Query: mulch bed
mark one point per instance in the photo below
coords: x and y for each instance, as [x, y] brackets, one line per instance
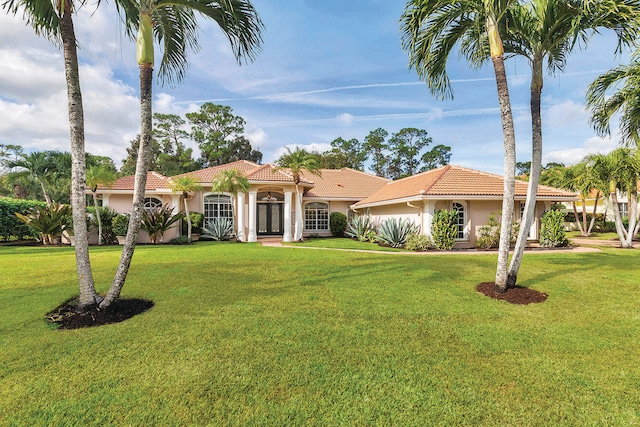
[517, 295]
[68, 316]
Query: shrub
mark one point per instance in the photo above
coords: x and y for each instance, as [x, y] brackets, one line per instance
[552, 230]
[157, 221]
[120, 224]
[489, 234]
[338, 223]
[181, 240]
[107, 215]
[361, 228]
[49, 221]
[196, 223]
[218, 229]
[10, 225]
[418, 242]
[444, 229]
[394, 232]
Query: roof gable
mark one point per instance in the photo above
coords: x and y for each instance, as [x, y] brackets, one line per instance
[344, 183]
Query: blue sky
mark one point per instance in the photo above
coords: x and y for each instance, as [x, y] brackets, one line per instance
[327, 69]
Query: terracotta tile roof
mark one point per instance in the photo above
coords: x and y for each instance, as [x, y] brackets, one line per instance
[456, 181]
[269, 172]
[206, 176]
[155, 181]
[344, 183]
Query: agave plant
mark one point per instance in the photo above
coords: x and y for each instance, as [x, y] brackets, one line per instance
[218, 229]
[49, 221]
[157, 221]
[361, 228]
[394, 232]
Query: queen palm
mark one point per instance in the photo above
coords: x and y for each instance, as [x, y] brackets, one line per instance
[96, 176]
[231, 181]
[174, 24]
[296, 162]
[547, 31]
[430, 31]
[37, 167]
[185, 185]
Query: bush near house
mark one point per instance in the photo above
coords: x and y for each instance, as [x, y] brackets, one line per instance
[394, 232]
[444, 229]
[10, 225]
[196, 223]
[49, 221]
[120, 224]
[418, 242]
[552, 233]
[337, 223]
[362, 228]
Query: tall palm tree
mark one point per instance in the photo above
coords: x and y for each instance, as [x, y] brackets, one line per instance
[297, 162]
[36, 166]
[96, 176]
[175, 26]
[231, 181]
[53, 19]
[185, 185]
[546, 31]
[430, 31]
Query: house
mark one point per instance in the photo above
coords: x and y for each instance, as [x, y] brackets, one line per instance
[473, 194]
[269, 207]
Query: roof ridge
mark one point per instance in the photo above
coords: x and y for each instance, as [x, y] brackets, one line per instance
[441, 171]
[361, 172]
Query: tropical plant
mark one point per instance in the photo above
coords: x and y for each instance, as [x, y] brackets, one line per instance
[120, 224]
[157, 221]
[444, 229]
[361, 227]
[395, 231]
[431, 29]
[49, 221]
[552, 233]
[547, 31]
[418, 242]
[185, 185]
[175, 26]
[296, 163]
[489, 235]
[232, 181]
[106, 215]
[337, 223]
[96, 176]
[218, 229]
[196, 223]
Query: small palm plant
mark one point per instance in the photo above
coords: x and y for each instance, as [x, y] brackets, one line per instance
[49, 221]
[157, 221]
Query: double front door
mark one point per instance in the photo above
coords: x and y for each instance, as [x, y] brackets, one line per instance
[270, 218]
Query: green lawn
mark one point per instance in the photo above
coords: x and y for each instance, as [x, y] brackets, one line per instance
[343, 243]
[246, 335]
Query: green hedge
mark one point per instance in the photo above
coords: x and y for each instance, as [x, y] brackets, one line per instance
[10, 225]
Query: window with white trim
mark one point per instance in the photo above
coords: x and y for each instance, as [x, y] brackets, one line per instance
[316, 216]
[460, 219]
[151, 203]
[217, 206]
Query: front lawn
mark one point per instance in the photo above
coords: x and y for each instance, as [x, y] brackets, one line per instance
[248, 335]
[343, 243]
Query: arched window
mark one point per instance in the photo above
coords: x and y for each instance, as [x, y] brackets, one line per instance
[217, 206]
[460, 220]
[316, 216]
[151, 203]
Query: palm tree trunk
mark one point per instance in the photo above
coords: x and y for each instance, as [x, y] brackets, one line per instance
[186, 209]
[88, 295]
[633, 211]
[534, 180]
[622, 234]
[146, 80]
[44, 190]
[509, 173]
[593, 215]
[95, 204]
[578, 222]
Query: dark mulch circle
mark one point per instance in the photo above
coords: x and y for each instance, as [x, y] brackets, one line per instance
[68, 316]
[515, 295]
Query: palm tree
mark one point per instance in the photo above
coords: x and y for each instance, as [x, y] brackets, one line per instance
[584, 178]
[430, 31]
[96, 176]
[547, 31]
[185, 185]
[175, 26]
[53, 20]
[36, 166]
[296, 162]
[231, 181]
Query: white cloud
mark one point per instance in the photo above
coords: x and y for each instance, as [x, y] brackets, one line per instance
[572, 156]
[565, 114]
[257, 136]
[345, 118]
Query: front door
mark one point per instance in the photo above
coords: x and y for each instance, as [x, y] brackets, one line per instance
[269, 219]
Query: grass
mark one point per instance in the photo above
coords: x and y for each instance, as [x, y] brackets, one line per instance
[246, 335]
[343, 243]
[611, 235]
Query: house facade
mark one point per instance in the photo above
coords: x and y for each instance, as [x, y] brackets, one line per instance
[269, 207]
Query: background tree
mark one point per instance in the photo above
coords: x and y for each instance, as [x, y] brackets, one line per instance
[232, 181]
[297, 162]
[430, 31]
[376, 148]
[406, 146]
[173, 157]
[220, 135]
[37, 166]
[185, 185]
[346, 154]
[175, 26]
[129, 163]
[438, 156]
[96, 176]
